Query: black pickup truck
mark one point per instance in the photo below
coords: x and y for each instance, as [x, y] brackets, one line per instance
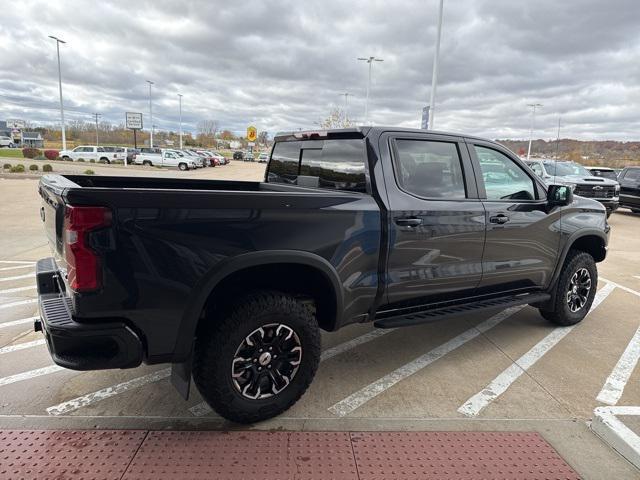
[231, 282]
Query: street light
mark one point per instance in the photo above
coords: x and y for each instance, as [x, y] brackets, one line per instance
[370, 61]
[533, 106]
[434, 77]
[58, 42]
[180, 109]
[150, 114]
[96, 115]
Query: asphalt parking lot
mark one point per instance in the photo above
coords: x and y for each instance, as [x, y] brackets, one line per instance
[505, 370]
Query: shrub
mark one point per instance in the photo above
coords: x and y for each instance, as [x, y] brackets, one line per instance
[88, 171]
[30, 152]
[51, 154]
[92, 160]
[17, 169]
[6, 166]
[33, 168]
[80, 160]
[47, 168]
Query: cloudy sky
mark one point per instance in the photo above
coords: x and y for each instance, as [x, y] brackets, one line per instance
[282, 65]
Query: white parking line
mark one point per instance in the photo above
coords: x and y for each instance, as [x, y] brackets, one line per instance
[614, 386]
[91, 398]
[21, 262]
[622, 287]
[502, 382]
[21, 346]
[362, 396]
[6, 269]
[17, 289]
[17, 277]
[13, 323]
[612, 430]
[38, 372]
[203, 408]
[17, 304]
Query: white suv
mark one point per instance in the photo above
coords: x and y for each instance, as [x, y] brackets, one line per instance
[6, 142]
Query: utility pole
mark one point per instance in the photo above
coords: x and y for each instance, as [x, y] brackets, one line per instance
[533, 106]
[64, 138]
[96, 115]
[434, 76]
[180, 109]
[346, 96]
[370, 61]
[150, 114]
[558, 140]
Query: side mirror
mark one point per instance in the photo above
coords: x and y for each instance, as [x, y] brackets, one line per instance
[559, 195]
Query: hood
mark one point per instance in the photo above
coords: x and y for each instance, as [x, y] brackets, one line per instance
[582, 180]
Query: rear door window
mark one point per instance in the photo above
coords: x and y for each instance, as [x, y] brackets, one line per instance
[632, 174]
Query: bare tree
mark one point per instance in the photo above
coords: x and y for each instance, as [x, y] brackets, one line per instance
[336, 119]
[208, 128]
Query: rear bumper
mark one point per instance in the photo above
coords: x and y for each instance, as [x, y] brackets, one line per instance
[80, 345]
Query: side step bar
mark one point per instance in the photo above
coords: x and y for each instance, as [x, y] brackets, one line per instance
[437, 314]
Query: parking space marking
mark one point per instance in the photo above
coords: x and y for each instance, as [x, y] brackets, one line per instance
[21, 346]
[16, 267]
[17, 289]
[614, 386]
[362, 396]
[22, 321]
[502, 382]
[17, 277]
[19, 262]
[38, 372]
[104, 393]
[613, 431]
[203, 408]
[17, 304]
[622, 287]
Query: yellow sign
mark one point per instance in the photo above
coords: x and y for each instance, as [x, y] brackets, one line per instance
[252, 134]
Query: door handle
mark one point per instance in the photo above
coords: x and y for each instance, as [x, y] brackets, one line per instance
[499, 219]
[408, 221]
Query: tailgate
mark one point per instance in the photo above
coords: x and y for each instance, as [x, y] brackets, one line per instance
[51, 191]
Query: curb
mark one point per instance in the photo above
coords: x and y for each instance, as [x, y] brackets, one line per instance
[615, 433]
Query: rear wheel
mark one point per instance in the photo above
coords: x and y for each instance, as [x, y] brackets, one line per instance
[147, 163]
[575, 289]
[105, 160]
[258, 358]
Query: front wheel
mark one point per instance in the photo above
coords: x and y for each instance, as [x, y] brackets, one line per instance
[183, 167]
[258, 358]
[575, 290]
[147, 163]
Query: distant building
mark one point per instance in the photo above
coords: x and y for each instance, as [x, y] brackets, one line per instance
[32, 139]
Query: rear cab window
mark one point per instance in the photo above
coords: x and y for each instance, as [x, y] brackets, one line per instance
[329, 164]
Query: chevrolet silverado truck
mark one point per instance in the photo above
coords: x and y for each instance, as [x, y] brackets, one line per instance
[231, 282]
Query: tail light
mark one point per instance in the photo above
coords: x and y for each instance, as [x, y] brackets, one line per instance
[83, 264]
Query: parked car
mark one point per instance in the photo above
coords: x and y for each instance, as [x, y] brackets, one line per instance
[238, 155]
[87, 153]
[403, 232]
[263, 157]
[222, 160]
[199, 160]
[248, 157]
[6, 142]
[115, 154]
[630, 188]
[211, 160]
[604, 172]
[166, 158]
[576, 176]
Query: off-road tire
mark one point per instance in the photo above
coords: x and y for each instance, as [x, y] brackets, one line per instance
[561, 314]
[219, 338]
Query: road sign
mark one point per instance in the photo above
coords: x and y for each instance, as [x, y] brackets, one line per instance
[252, 134]
[14, 123]
[133, 120]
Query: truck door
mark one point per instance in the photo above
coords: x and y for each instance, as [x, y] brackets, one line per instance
[630, 187]
[436, 221]
[523, 235]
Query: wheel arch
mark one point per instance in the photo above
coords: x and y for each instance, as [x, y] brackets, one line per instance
[323, 278]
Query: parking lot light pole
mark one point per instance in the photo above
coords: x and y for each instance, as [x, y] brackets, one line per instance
[370, 61]
[180, 109]
[346, 96]
[434, 76]
[150, 114]
[96, 115]
[64, 138]
[533, 106]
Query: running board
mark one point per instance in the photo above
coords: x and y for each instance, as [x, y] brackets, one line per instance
[437, 314]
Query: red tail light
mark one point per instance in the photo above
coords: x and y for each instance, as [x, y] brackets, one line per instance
[83, 264]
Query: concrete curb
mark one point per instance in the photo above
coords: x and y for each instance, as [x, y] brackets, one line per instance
[615, 433]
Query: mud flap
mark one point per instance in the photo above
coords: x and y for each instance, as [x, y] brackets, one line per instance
[181, 377]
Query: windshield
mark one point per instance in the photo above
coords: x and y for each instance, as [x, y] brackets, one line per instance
[562, 169]
[610, 174]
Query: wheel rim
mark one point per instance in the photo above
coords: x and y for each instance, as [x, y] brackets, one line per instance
[266, 361]
[579, 288]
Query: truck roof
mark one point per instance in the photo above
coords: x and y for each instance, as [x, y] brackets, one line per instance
[360, 131]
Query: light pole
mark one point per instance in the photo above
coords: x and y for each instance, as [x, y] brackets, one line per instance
[150, 114]
[96, 115]
[180, 109]
[434, 76]
[346, 96]
[533, 106]
[370, 61]
[64, 138]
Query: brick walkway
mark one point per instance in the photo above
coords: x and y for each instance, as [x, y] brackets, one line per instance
[160, 455]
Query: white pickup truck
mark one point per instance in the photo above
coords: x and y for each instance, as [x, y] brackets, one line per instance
[87, 153]
[165, 158]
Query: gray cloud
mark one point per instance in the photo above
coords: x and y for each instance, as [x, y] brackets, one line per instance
[283, 65]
